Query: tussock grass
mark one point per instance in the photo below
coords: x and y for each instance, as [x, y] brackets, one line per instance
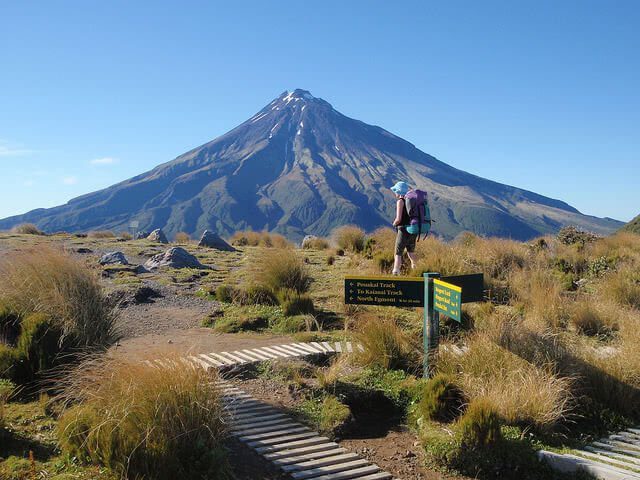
[541, 295]
[262, 239]
[623, 286]
[317, 243]
[27, 229]
[283, 270]
[50, 282]
[152, 422]
[101, 234]
[440, 399]
[480, 425]
[295, 303]
[182, 238]
[386, 345]
[349, 238]
[592, 319]
[522, 392]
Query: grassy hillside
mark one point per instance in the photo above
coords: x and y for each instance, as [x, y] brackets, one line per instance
[548, 359]
[633, 226]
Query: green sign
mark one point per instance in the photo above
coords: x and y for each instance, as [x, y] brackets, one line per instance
[385, 291]
[447, 299]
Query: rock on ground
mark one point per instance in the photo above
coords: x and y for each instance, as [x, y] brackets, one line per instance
[158, 236]
[175, 257]
[141, 235]
[212, 240]
[113, 257]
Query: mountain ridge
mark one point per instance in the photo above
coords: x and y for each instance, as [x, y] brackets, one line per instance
[632, 226]
[299, 166]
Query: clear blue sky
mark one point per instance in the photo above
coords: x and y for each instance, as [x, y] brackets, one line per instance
[544, 95]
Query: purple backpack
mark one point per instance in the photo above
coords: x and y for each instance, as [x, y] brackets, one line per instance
[417, 205]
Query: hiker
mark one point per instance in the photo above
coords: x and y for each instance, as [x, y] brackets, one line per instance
[413, 219]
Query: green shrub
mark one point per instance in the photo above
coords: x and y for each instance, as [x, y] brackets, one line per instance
[294, 303]
[239, 318]
[340, 252]
[331, 260]
[27, 229]
[440, 399]
[6, 390]
[333, 414]
[225, 293]
[261, 295]
[38, 346]
[571, 235]
[513, 458]
[9, 361]
[396, 386]
[327, 414]
[350, 237]
[369, 247]
[280, 270]
[480, 426]
[9, 325]
[292, 324]
[384, 261]
[161, 422]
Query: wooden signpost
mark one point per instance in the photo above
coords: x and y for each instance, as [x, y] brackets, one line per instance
[438, 295]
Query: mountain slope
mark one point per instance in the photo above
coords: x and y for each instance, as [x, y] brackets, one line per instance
[299, 166]
[633, 226]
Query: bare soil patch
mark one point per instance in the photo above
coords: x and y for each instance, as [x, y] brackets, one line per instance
[395, 448]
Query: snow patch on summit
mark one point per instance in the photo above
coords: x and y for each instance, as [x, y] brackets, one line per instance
[296, 97]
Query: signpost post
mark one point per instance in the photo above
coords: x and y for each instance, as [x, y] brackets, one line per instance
[133, 225]
[438, 295]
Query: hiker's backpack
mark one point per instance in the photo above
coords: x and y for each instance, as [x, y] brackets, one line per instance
[417, 205]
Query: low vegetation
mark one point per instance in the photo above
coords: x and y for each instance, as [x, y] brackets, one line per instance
[51, 306]
[101, 234]
[259, 239]
[350, 238]
[27, 229]
[315, 243]
[141, 421]
[182, 238]
[547, 360]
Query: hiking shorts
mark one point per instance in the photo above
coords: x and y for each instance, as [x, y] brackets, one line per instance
[405, 240]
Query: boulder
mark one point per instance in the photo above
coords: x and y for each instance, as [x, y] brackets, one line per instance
[212, 240]
[175, 257]
[113, 258]
[158, 236]
[141, 235]
[307, 239]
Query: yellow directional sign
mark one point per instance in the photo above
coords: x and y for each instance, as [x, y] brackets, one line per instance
[447, 299]
[383, 290]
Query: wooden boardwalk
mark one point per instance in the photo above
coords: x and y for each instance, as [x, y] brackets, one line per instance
[616, 457]
[225, 360]
[291, 446]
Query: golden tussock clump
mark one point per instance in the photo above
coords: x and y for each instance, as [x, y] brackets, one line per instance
[160, 422]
